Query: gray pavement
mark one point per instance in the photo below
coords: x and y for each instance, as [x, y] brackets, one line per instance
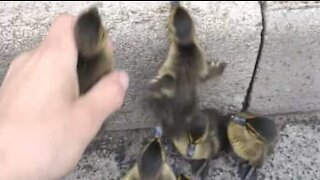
[296, 157]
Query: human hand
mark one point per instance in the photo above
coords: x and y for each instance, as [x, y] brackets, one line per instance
[45, 125]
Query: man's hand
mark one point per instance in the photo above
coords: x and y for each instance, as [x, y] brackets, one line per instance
[45, 125]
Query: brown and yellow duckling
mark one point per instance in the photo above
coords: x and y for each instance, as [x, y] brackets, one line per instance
[95, 56]
[252, 138]
[204, 140]
[152, 164]
[174, 89]
[185, 64]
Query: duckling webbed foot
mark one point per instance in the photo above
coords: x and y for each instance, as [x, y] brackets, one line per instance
[252, 174]
[246, 171]
[214, 69]
[199, 169]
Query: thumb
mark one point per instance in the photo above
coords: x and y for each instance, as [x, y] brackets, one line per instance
[100, 102]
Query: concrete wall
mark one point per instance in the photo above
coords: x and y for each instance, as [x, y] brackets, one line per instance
[287, 76]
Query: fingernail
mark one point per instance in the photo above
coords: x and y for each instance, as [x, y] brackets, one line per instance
[124, 79]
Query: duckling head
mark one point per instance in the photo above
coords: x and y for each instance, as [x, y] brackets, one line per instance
[90, 34]
[257, 126]
[181, 26]
[152, 160]
[197, 133]
[263, 127]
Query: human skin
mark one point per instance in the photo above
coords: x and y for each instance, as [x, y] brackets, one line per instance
[45, 125]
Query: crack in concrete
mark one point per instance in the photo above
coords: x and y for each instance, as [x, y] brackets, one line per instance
[246, 102]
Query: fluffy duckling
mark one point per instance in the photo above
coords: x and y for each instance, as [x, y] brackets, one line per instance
[185, 64]
[95, 57]
[252, 138]
[152, 164]
[174, 90]
[205, 138]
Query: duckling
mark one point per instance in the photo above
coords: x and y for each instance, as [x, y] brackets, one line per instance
[152, 164]
[95, 58]
[203, 141]
[253, 139]
[174, 89]
[185, 64]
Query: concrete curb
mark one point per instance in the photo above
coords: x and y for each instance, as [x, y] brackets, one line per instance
[228, 31]
[287, 78]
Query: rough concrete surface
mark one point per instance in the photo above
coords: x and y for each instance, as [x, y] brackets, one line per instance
[296, 157]
[228, 31]
[287, 78]
[291, 5]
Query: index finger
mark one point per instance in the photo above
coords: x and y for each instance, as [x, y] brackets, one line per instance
[60, 42]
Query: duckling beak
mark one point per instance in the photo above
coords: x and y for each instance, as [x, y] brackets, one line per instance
[158, 132]
[239, 120]
[190, 150]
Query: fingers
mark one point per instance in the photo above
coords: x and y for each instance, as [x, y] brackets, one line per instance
[103, 99]
[16, 65]
[58, 48]
[59, 45]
